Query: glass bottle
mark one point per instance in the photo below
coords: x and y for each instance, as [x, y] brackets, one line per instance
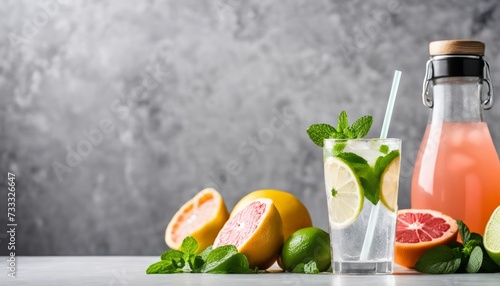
[457, 170]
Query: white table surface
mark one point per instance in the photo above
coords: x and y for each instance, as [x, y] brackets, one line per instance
[131, 270]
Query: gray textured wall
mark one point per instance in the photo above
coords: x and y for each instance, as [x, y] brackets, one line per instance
[186, 90]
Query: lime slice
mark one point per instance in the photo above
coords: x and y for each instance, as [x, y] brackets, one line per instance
[491, 237]
[343, 191]
[389, 185]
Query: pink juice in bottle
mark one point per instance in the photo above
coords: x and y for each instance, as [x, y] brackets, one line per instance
[458, 173]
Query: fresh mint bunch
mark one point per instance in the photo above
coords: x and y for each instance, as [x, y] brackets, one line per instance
[359, 129]
[469, 257]
[224, 259]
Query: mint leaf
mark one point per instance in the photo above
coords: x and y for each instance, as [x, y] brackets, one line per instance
[235, 264]
[172, 255]
[362, 126]
[384, 149]
[473, 256]
[353, 159]
[365, 173]
[370, 184]
[488, 265]
[189, 245]
[457, 246]
[311, 267]
[469, 247]
[359, 129]
[308, 268]
[369, 177]
[162, 267]
[172, 261]
[218, 259]
[204, 254]
[236, 269]
[200, 259]
[475, 260]
[343, 123]
[319, 132]
[463, 230]
[338, 148]
[175, 257]
[477, 237]
[196, 263]
[439, 260]
[378, 169]
[349, 133]
[221, 253]
[384, 161]
[238, 264]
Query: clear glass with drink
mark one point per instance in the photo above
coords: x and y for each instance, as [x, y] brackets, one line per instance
[361, 182]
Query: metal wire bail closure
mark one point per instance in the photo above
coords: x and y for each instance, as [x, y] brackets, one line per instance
[426, 99]
[488, 102]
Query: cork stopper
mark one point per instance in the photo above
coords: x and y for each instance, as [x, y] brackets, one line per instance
[456, 47]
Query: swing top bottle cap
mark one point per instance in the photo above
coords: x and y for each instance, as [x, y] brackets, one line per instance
[456, 47]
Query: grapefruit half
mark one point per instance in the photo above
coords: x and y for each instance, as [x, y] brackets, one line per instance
[418, 230]
[292, 211]
[256, 231]
[201, 217]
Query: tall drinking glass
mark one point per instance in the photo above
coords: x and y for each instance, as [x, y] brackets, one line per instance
[361, 182]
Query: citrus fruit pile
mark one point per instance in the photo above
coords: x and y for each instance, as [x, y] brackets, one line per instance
[271, 225]
[258, 226]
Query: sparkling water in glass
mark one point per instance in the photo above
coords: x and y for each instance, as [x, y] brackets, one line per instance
[349, 218]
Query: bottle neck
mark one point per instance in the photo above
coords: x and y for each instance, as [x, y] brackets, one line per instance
[457, 99]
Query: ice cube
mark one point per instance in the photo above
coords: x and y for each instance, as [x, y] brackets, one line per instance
[459, 161]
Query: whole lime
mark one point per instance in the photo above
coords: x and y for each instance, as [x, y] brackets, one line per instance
[304, 245]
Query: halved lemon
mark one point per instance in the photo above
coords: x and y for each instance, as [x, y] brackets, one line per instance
[344, 193]
[389, 185]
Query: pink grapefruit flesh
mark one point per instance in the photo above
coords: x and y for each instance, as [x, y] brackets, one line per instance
[418, 231]
[256, 231]
[416, 227]
[242, 226]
